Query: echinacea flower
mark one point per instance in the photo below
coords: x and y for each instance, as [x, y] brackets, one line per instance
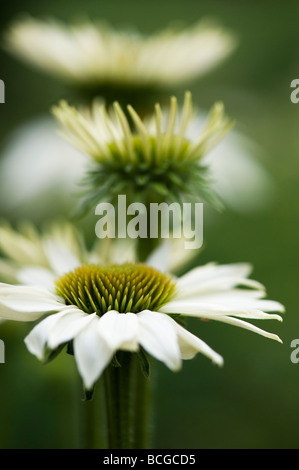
[93, 54]
[98, 309]
[153, 161]
[240, 179]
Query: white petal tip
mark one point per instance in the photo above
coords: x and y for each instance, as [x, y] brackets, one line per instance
[274, 337]
[39, 355]
[88, 387]
[219, 362]
[174, 366]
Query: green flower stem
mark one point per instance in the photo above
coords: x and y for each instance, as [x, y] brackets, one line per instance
[126, 404]
[143, 411]
[89, 413]
[89, 438]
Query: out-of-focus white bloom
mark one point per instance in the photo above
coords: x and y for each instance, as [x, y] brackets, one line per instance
[102, 309]
[39, 171]
[96, 54]
[238, 176]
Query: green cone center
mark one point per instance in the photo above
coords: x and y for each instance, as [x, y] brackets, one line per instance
[125, 288]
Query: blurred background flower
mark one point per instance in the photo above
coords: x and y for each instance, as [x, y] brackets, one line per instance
[94, 54]
[252, 402]
[95, 58]
[45, 168]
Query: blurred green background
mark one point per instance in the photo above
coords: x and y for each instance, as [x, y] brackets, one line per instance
[253, 401]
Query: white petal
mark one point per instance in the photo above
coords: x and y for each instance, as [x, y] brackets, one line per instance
[243, 309]
[92, 353]
[29, 299]
[241, 181]
[158, 336]
[60, 258]
[8, 270]
[171, 255]
[22, 248]
[36, 340]
[36, 276]
[119, 330]
[214, 278]
[65, 234]
[7, 313]
[190, 345]
[248, 326]
[160, 257]
[68, 326]
[36, 144]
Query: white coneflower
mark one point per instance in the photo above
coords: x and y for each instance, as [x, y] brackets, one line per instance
[100, 309]
[145, 162]
[95, 54]
[239, 177]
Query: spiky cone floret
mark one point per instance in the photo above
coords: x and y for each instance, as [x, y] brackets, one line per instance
[149, 160]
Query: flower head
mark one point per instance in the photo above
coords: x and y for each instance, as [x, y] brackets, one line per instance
[100, 309]
[95, 54]
[240, 179]
[150, 160]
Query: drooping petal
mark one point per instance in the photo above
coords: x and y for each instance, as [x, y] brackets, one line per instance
[55, 330]
[158, 336]
[190, 345]
[247, 326]
[119, 330]
[92, 353]
[68, 326]
[36, 340]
